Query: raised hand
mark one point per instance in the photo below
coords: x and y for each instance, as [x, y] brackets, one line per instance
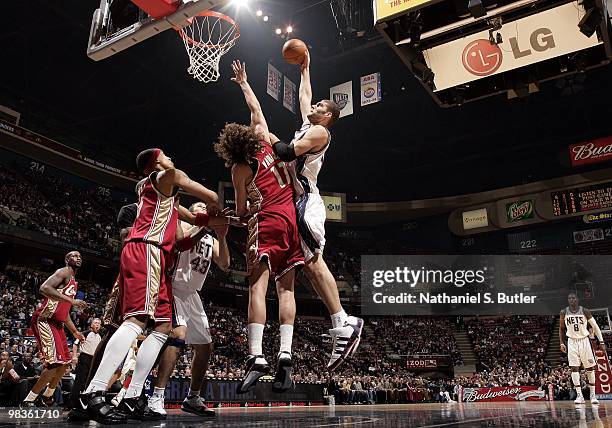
[240, 75]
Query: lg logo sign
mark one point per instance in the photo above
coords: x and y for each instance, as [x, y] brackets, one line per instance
[481, 58]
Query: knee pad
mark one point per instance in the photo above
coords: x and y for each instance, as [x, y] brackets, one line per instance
[177, 343]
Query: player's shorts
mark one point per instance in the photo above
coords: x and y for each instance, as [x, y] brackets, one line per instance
[146, 288]
[275, 238]
[580, 351]
[51, 340]
[112, 311]
[311, 223]
[188, 311]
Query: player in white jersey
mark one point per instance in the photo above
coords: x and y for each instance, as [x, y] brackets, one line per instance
[306, 153]
[574, 320]
[190, 323]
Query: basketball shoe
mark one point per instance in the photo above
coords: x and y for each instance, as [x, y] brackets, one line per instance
[594, 400]
[196, 405]
[254, 370]
[345, 340]
[156, 403]
[282, 378]
[579, 399]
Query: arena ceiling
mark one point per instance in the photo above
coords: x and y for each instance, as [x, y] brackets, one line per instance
[402, 148]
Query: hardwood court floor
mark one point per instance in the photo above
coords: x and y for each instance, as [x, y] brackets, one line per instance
[506, 414]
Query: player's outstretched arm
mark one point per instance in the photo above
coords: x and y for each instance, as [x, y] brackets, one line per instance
[49, 288]
[313, 141]
[241, 175]
[258, 119]
[221, 254]
[173, 177]
[305, 94]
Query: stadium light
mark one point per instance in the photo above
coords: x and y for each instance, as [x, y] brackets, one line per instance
[240, 3]
[289, 29]
[265, 18]
[259, 12]
[278, 31]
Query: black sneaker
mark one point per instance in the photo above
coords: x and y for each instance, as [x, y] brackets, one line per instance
[196, 406]
[138, 408]
[253, 373]
[100, 411]
[282, 378]
[28, 404]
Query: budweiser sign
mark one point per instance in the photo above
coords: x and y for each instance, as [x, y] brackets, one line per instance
[503, 393]
[599, 150]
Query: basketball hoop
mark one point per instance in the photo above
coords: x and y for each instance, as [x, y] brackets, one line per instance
[207, 37]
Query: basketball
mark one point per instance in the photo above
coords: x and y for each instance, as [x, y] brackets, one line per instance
[294, 51]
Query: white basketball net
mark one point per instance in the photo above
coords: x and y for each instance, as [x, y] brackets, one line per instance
[207, 38]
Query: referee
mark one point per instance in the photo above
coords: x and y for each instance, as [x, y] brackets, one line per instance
[88, 347]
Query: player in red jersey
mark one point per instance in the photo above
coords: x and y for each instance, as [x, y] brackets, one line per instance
[273, 245]
[145, 288]
[48, 323]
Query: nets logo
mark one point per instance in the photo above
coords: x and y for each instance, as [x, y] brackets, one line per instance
[481, 58]
[341, 100]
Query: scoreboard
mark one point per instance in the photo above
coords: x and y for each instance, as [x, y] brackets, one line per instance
[582, 199]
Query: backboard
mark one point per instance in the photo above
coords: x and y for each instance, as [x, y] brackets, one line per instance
[119, 24]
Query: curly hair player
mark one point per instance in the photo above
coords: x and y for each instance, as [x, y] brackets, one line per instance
[273, 244]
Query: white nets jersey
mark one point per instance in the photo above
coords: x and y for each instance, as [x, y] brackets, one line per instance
[193, 265]
[576, 324]
[305, 169]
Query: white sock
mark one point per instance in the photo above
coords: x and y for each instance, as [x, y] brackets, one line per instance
[159, 391]
[147, 354]
[338, 319]
[591, 378]
[193, 393]
[576, 382]
[114, 354]
[49, 392]
[32, 396]
[286, 336]
[255, 338]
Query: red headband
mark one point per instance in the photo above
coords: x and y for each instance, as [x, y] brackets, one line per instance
[153, 159]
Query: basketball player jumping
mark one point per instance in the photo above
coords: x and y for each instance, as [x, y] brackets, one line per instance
[145, 289]
[574, 321]
[190, 323]
[273, 244]
[48, 326]
[306, 153]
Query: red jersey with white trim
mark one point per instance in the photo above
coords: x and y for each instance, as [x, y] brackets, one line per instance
[58, 310]
[157, 216]
[270, 190]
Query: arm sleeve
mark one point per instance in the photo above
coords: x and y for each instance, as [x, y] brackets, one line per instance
[285, 152]
[596, 329]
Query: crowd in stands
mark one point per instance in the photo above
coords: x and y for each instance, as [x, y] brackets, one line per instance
[378, 371]
[45, 203]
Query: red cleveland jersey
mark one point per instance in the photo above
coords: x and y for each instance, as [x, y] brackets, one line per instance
[270, 190]
[157, 216]
[58, 310]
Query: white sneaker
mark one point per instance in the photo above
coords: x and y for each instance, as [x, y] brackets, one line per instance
[156, 403]
[345, 340]
[579, 400]
[594, 400]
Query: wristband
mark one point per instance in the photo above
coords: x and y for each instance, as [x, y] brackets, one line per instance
[201, 219]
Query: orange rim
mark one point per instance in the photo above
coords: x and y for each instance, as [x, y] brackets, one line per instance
[214, 14]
